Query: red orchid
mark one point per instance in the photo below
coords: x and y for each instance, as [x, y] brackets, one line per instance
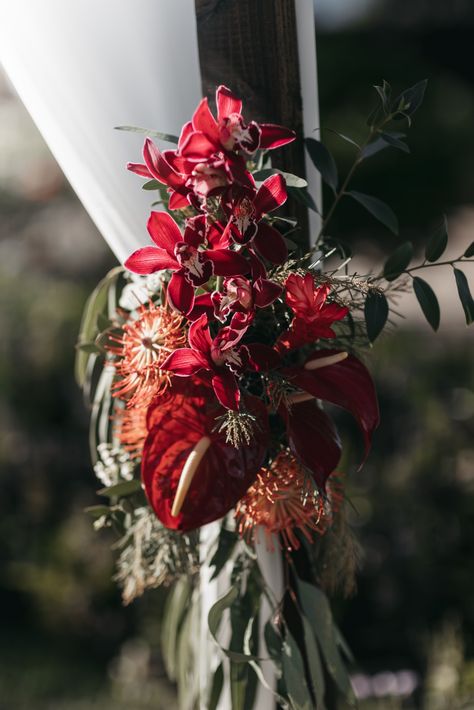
[239, 295]
[313, 316]
[157, 167]
[176, 423]
[181, 254]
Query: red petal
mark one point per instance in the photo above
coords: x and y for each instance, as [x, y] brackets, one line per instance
[186, 131]
[199, 337]
[139, 169]
[274, 136]
[265, 292]
[164, 231]
[347, 384]
[178, 201]
[150, 259]
[204, 121]
[158, 166]
[271, 194]
[202, 306]
[222, 477]
[226, 389]
[227, 103]
[263, 357]
[198, 147]
[314, 439]
[180, 293]
[227, 263]
[270, 244]
[185, 362]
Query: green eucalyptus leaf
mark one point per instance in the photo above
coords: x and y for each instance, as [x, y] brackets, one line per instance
[376, 313]
[89, 348]
[216, 688]
[214, 619]
[437, 243]
[469, 251]
[176, 606]
[151, 185]
[290, 179]
[465, 297]
[226, 543]
[323, 161]
[398, 261]
[294, 675]
[378, 209]
[103, 322]
[168, 137]
[238, 685]
[428, 301]
[273, 642]
[121, 490]
[97, 511]
[314, 664]
[303, 197]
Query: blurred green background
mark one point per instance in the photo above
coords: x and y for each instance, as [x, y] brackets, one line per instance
[66, 642]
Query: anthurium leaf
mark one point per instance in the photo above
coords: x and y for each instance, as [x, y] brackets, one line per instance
[376, 314]
[302, 196]
[428, 301]
[437, 242]
[151, 185]
[314, 664]
[225, 545]
[294, 675]
[465, 297]
[378, 209]
[398, 261]
[469, 251]
[323, 162]
[316, 608]
[290, 179]
[121, 490]
[168, 137]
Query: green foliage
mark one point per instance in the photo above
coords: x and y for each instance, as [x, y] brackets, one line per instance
[465, 296]
[323, 162]
[168, 137]
[436, 245]
[377, 208]
[428, 301]
[398, 261]
[376, 311]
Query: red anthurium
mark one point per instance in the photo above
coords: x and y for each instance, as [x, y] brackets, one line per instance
[241, 295]
[313, 439]
[181, 254]
[224, 473]
[346, 383]
[221, 357]
[313, 316]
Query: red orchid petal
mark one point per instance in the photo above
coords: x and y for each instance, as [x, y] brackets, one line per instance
[271, 194]
[303, 332]
[347, 384]
[227, 263]
[204, 121]
[313, 439]
[227, 103]
[265, 292]
[222, 477]
[178, 201]
[185, 362]
[178, 163]
[164, 231]
[186, 131]
[203, 305]
[263, 357]
[274, 136]
[226, 389]
[150, 259]
[180, 293]
[139, 169]
[158, 166]
[270, 244]
[237, 167]
[257, 269]
[199, 337]
[198, 147]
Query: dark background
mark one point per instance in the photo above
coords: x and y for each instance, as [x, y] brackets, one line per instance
[66, 642]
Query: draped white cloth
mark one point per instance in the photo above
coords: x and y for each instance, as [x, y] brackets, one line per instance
[84, 66]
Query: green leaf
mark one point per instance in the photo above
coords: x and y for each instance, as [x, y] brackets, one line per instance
[121, 490]
[214, 619]
[151, 185]
[303, 197]
[437, 243]
[89, 348]
[372, 148]
[103, 322]
[344, 138]
[398, 261]
[469, 251]
[314, 664]
[273, 642]
[97, 511]
[168, 137]
[216, 688]
[176, 607]
[378, 209]
[384, 92]
[411, 99]
[395, 142]
[465, 297]
[428, 301]
[318, 612]
[225, 545]
[376, 314]
[294, 675]
[323, 161]
[290, 179]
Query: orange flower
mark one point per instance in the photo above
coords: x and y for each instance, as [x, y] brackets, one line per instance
[142, 349]
[131, 429]
[283, 501]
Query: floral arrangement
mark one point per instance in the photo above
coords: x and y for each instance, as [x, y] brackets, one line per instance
[212, 361]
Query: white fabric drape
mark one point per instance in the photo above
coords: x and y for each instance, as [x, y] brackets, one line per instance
[84, 66]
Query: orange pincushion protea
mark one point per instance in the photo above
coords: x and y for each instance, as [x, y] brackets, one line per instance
[142, 349]
[282, 502]
[131, 429]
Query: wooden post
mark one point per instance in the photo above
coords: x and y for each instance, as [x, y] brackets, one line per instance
[251, 46]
